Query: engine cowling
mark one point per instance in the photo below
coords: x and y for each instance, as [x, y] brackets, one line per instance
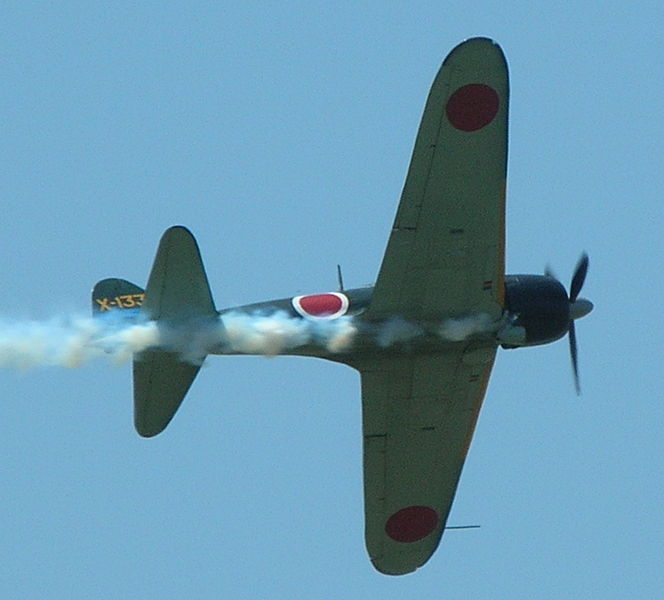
[538, 310]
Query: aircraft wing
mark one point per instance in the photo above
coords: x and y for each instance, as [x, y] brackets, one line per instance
[419, 413]
[445, 255]
[444, 258]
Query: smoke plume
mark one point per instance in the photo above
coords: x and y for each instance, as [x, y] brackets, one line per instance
[278, 333]
[457, 330]
[73, 341]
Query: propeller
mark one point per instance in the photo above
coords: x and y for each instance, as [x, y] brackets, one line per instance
[578, 307]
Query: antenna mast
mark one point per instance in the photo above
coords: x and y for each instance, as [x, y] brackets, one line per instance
[340, 279]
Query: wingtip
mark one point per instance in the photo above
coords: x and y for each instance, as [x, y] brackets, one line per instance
[478, 40]
[391, 571]
[485, 44]
[147, 432]
[177, 230]
[481, 39]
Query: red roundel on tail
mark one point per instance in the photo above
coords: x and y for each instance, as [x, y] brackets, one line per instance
[472, 107]
[411, 524]
[321, 306]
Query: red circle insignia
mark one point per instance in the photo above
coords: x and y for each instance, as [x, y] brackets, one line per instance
[321, 306]
[472, 107]
[411, 524]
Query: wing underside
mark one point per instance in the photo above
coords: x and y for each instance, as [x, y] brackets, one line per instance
[445, 255]
[444, 260]
[418, 419]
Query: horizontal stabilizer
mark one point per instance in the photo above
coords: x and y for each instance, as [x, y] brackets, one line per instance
[178, 287]
[161, 382]
[178, 294]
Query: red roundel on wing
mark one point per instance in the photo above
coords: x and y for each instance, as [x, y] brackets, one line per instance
[411, 524]
[472, 107]
[321, 305]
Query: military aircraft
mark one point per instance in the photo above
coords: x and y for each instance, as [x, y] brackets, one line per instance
[441, 286]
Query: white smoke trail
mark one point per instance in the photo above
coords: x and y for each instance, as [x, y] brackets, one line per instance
[122, 344]
[458, 330]
[277, 333]
[339, 335]
[397, 329]
[70, 341]
[73, 341]
[268, 335]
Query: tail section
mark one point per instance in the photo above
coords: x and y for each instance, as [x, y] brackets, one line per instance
[177, 294]
[115, 295]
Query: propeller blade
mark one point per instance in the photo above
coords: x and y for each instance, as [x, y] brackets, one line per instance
[574, 354]
[549, 272]
[579, 277]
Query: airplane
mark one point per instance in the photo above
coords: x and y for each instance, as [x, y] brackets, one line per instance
[441, 287]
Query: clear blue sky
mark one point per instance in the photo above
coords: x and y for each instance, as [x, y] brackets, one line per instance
[280, 133]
